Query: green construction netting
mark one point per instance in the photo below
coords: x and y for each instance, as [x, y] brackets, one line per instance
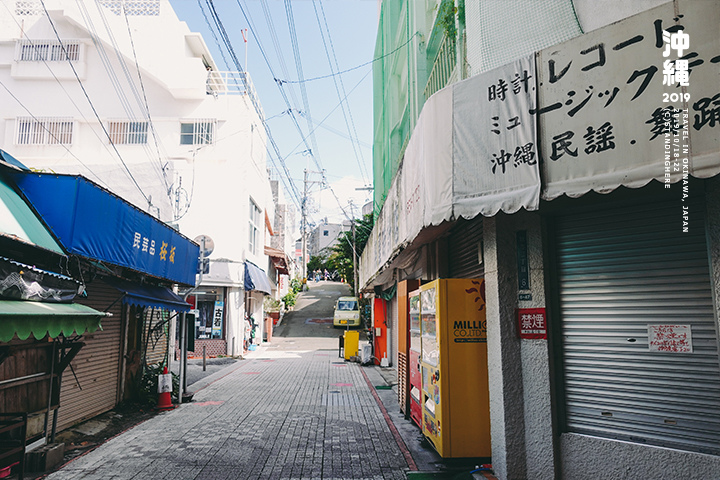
[487, 34]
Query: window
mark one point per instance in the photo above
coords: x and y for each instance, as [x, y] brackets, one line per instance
[325, 233]
[127, 132]
[198, 132]
[47, 51]
[254, 226]
[44, 131]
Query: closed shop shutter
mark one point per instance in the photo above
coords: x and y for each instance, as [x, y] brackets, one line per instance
[464, 248]
[620, 271]
[97, 365]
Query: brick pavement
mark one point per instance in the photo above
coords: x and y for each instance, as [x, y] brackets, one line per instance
[296, 416]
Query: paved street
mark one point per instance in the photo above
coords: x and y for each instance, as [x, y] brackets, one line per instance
[292, 410]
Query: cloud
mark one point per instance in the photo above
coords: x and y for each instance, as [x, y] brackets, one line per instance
[326, 205]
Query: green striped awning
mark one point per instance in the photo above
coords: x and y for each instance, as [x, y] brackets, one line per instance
[26, 318]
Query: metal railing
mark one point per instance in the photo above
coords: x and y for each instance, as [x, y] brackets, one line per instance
[443, 67]
[232, 83]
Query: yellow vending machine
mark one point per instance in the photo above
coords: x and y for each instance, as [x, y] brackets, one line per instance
[455, 399]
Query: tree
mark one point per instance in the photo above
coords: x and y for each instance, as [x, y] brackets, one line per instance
[317, 262]
[341, 257]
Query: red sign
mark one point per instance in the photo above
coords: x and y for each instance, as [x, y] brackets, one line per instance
[532, 323]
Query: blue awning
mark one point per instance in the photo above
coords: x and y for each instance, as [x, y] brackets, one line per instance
[149, 296]
[93, 222]
[256, 279]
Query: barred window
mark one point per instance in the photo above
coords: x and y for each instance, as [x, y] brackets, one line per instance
[197, 132]
[44, 131]
[127, 132]
[47, 51]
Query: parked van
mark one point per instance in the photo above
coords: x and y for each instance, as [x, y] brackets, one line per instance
[347, 312]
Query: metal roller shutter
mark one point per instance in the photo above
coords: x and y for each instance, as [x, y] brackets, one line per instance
[464, 247]
[620, 270]
[97, 365]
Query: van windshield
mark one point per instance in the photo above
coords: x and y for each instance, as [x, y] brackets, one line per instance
[347, 305]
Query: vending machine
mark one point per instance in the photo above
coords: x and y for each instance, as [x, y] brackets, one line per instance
[455, 399]
[414, 357]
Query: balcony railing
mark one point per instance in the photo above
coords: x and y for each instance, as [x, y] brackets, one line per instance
[232, 83]
[443, 67]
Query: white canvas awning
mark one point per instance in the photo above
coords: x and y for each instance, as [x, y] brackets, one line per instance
[604, 107]
[473, 151]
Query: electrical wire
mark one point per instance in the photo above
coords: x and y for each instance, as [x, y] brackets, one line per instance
[147, 107]
[87, 97]
[290, 186]
[51, 133]
[376, 59]
[339, 85]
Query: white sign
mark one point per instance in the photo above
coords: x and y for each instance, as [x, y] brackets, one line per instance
[165, 383]
[670, 338]
[604, 108]
[495, 151]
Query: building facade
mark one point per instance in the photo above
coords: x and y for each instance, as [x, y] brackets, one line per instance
[561, 163]
[92, 89]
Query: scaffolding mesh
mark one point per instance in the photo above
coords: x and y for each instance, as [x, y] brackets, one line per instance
[501, 31]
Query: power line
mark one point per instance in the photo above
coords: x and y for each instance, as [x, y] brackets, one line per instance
[338, 80]
[42, 124]
[376, 59]
[67, 57]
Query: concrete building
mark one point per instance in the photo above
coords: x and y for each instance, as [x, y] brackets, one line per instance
[558, 151]
[322, 238]
[92, 88]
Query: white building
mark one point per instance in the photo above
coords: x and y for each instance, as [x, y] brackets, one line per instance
[126, 95]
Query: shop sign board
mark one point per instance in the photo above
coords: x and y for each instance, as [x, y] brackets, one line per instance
[217, 319]
[609, 114]
[532, 323]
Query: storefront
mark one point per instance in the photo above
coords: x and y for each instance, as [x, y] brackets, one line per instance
[41, 329]
[129, 261]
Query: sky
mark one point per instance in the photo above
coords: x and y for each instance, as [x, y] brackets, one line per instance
[332, 36]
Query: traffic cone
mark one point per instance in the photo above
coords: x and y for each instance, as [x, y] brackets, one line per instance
[164, 390]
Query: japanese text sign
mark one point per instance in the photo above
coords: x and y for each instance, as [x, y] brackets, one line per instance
[495, 156]
[607, 99]
[532, 323]
[670, 338]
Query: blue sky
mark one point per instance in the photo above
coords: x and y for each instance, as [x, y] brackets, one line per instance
[349, 29]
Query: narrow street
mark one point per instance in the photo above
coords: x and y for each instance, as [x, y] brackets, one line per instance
[293, 409]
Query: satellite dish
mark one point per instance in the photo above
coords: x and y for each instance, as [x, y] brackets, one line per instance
[209, 244]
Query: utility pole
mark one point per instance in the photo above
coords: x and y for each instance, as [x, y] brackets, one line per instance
[354, 248]
[303, 219]
[303, 222]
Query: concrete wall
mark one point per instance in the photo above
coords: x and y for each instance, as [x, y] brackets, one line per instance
[520, 408]
[585, 457]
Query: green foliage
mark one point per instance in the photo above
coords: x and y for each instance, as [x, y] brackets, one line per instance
[296, 285]
[290, 298]
[317, 262]
[341, 256]
[446, 17]
[271, 305]
[147, 391]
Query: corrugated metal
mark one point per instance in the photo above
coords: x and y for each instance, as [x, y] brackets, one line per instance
[619, 271]
[97, 365]
[464, 246]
